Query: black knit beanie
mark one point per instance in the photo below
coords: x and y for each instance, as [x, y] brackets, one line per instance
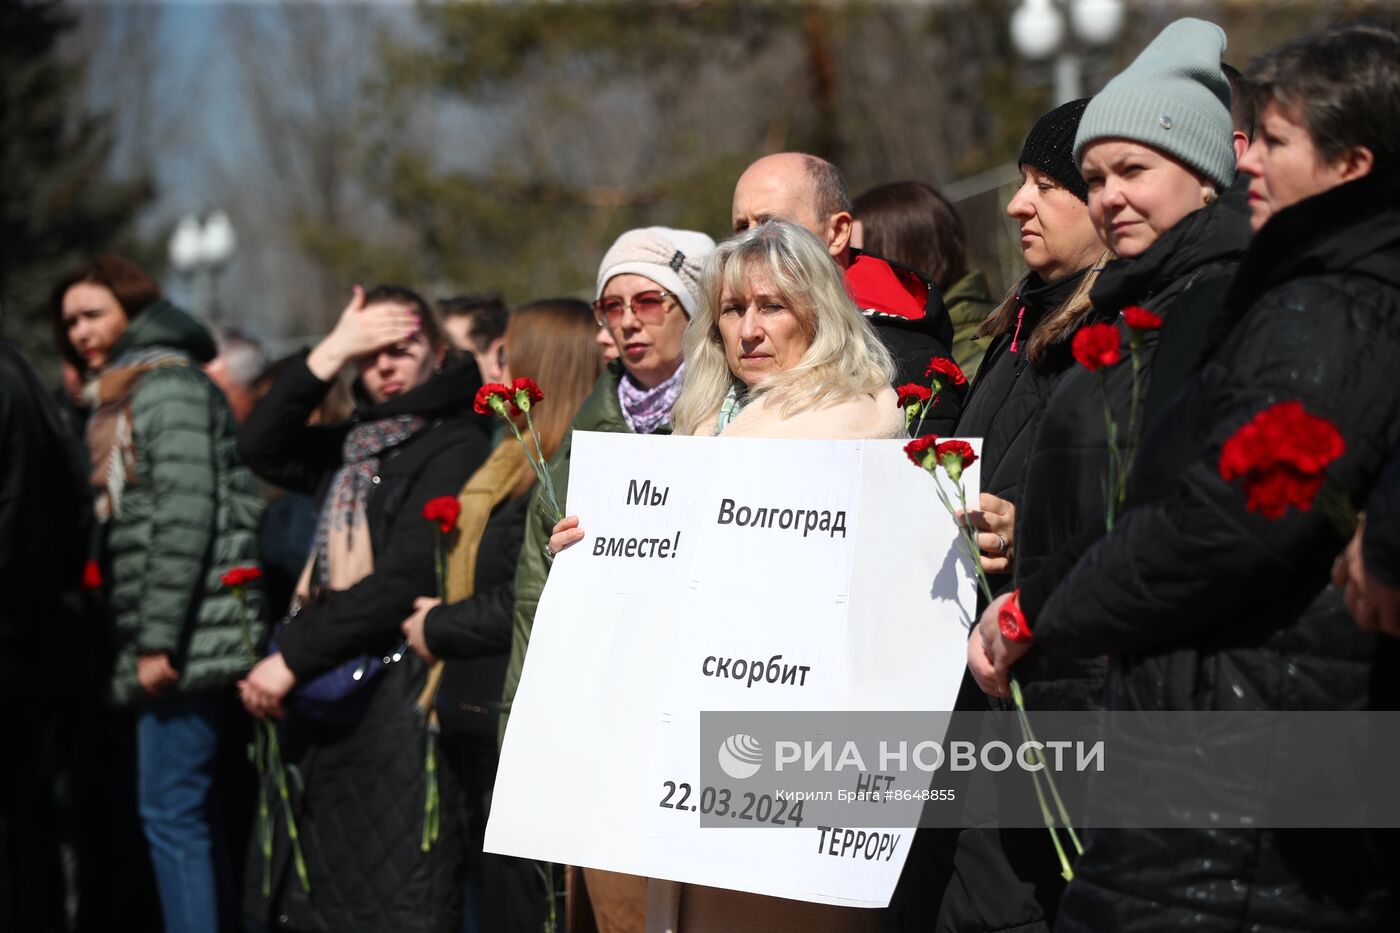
[1050, 147]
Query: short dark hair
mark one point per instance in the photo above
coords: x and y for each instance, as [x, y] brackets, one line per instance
[912, 224]
[489, 317]
[1344, 85]
[134, 290]
[828, 187]
[1241, 100]
[403, 295]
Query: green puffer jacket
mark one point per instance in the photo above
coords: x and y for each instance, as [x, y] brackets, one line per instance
[190, 516]
[600, 412]
[968, 302]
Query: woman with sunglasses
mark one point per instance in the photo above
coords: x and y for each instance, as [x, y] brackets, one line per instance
[648, 289]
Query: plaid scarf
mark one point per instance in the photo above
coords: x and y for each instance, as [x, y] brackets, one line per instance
[343, 550]
[734, 402]
[648, 409]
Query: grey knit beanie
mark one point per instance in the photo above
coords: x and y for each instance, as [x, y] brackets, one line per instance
[670, 258]
[1174, 98]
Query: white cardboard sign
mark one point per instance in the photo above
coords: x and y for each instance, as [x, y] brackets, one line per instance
[610, 696]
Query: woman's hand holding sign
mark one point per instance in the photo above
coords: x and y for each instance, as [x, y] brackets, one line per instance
[566, 533]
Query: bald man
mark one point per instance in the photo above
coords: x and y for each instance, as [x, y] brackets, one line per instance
[906, 310]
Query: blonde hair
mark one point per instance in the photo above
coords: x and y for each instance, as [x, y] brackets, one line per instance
[845, 359]
[1057, 324]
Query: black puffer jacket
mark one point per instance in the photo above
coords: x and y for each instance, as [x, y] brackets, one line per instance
[909, 316]
[1010, 391]
[1204, 605]
[360, 809]
[1182, 277]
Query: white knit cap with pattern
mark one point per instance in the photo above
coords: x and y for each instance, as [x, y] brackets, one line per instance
[670, 258]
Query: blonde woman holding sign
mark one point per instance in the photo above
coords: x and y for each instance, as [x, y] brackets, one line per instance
[777, 349]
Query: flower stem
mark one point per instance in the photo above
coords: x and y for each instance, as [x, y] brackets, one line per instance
[969, 544]
[1028, 735]
[275, 765]
[1114, 464]
[1336, 505]
[264, 817]
[431, 803]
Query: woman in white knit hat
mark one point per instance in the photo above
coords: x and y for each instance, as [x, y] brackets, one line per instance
[648, 290]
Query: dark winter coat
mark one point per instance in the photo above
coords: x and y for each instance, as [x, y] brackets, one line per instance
[44, 529]
[190, 515]
[482, 623]
[1010, 391]
[1007, 879]
[1203, 605]
[1063, 509]
[360, 813]
[910, 319]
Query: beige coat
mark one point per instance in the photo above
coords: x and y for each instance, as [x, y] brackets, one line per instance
[693, 908]
[870, 417]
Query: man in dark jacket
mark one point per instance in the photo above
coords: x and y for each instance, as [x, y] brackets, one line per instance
[906, 310]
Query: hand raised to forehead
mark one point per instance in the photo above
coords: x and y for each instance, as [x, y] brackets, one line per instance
[366, 329]
[362, 329]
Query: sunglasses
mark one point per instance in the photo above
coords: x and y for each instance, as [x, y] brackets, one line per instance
[648, 307]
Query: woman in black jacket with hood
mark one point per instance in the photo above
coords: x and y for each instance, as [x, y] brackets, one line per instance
[1031, 329]
[359, 804]
[1204, 605]
[997, 872]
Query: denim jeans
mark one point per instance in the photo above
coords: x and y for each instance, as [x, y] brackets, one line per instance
[177, 748]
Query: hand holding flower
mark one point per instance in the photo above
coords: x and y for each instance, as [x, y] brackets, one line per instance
[990, 654]
[995, 524]
[1374, 605]
[413, 627]
[266, 686]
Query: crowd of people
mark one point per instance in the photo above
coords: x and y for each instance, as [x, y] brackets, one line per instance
[1248, 225]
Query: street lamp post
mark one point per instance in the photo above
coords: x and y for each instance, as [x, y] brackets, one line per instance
[1038, 32]
[200, 250]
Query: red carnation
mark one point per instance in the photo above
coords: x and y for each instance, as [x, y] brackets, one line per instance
[492, 397]
[955, 456]
[1281, 453]
[1096, 346]
[241, 576]
[1140, 318]
[942, 366]
[911, 393]
[443, 510]
[92, 575]
[530, 390]
[920, 451]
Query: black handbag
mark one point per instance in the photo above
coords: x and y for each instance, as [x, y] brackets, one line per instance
[469, 697]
